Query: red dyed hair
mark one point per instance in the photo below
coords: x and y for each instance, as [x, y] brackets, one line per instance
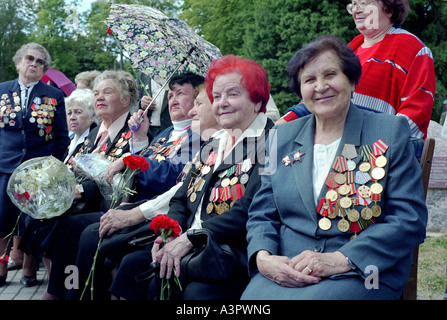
[254, 77]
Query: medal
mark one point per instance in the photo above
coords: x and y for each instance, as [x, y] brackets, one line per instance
[343, 225]
[381, 161]
[210, 208]
[366, 213]
[353, 215]
[378, 173]
[324, 224]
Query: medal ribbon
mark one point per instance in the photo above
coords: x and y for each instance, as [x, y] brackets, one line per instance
[379, 147]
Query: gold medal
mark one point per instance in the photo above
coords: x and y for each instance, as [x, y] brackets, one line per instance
[353, 215]
[343, 189]
[367, 213]
[381, 161]
[364, 192]
[343, 225]
[223, 207]
[332, 195]
[345, 202]
[378, 173]
[225, 182]
[233, 181]
[340, 178]
[376, 210]
[376, 188]
[193, 197]
[324, 224]
[205, 170]
[364, 167]
[210, 208]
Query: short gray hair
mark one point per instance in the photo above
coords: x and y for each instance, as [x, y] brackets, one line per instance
[124, 81]
[21, 53]
[83, 97]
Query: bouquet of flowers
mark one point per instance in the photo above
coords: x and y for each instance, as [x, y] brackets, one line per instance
[42, 187]
[166, 227]
[133, 164]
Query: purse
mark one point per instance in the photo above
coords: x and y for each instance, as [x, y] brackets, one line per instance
[212, 262]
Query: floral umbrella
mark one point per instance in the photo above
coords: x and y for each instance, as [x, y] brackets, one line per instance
[158, 45]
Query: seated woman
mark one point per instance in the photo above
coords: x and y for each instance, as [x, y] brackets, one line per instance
[114, 94]
[81, 119]
[217, 193]
[358, 202]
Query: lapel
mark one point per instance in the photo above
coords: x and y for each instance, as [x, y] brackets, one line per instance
[304, 142]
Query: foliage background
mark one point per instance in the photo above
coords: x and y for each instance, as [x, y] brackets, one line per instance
[267, 31]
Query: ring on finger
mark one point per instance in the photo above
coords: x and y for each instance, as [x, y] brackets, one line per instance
[308, 269]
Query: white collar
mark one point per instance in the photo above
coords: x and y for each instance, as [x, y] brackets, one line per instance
[114, 128]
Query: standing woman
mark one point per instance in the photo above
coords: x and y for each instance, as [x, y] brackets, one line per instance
[358, 201]
[398, 73]
[32, 124]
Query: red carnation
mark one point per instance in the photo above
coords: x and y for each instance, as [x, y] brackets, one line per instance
[165, 226]
[4, 259]
[136, 162]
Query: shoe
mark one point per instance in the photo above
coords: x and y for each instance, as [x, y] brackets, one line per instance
[3, 280]
[12, 265]
[28, 281]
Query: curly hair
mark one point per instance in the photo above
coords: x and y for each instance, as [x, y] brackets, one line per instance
[398, 8]
[21, 53]
[124, 81]
[254, 77]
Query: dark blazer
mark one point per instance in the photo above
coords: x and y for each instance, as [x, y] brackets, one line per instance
[283, 217]
[22, 137]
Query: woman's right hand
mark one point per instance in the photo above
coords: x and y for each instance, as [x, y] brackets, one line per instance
[113, 168]
[277, 269]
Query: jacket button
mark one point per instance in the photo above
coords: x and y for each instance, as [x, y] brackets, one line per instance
[317, 249]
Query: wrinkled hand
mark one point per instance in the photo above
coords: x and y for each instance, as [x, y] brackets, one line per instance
[321, 264]
[117, 219]
[140, 121]
[171, 254]
[145, 102]
[112, 169]
[279, 270]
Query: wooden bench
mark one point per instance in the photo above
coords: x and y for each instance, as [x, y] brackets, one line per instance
[410, 291]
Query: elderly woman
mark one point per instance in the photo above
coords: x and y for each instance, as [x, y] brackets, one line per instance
[85, 80]
[114, 94]
[216, 195]
[81, 119]
[32, 124]
[398, 69]
[356, 186]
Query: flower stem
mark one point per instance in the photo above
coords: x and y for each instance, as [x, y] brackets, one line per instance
[91, 274]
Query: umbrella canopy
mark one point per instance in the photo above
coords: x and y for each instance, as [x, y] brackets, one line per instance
[59, 80]
[158, 45]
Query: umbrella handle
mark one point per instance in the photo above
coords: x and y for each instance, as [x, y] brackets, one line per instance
[140, 120]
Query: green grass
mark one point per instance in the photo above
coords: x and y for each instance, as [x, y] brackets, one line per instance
[432, 278]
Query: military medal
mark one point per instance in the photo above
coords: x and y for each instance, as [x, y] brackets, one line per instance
[349, 152]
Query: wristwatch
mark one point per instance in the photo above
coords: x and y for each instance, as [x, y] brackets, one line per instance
[350, 264]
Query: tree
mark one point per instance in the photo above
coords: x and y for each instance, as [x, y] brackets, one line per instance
[12, 35]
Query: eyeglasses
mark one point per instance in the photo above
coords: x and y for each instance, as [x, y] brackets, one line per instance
[39, 62]
[361, 6]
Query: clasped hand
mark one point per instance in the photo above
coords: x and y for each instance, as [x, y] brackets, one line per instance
[170, 255]
[302, 270]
